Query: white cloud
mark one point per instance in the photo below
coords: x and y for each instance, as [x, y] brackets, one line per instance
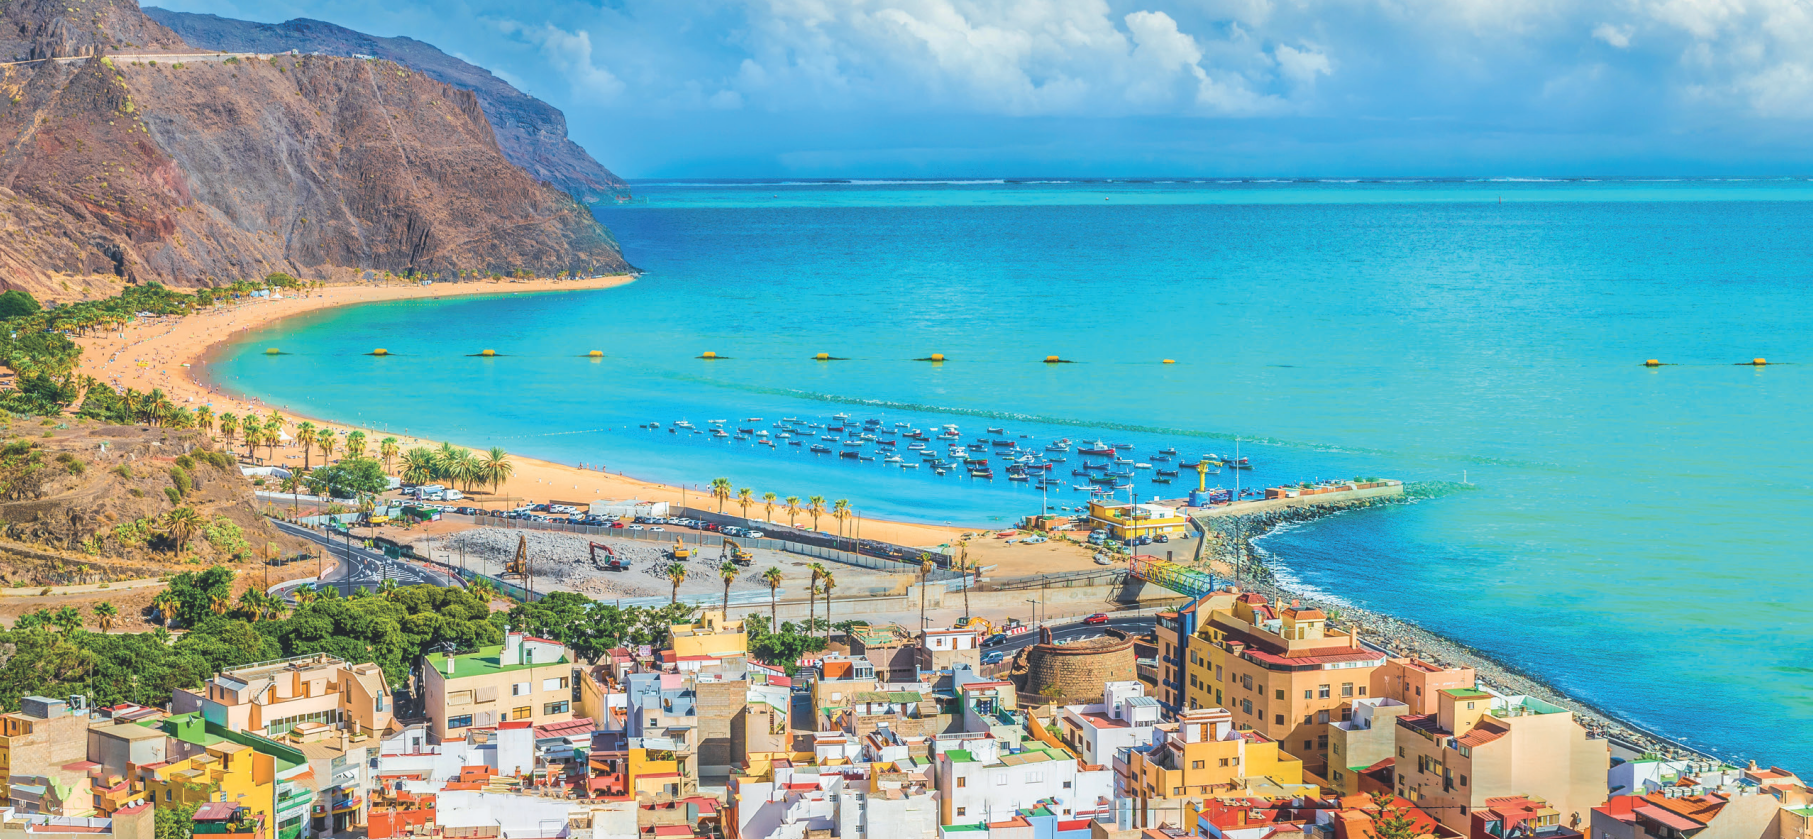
[1302, 66]
[1617, 36]
[570, 54]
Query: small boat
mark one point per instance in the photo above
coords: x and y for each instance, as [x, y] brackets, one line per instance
[909, 466]
[1188, 465]
[848, 454]
[1094, 448]
[852, 444]
[996, 431]
[747, 430]
[829, 438]
[683, 424]
[1169, 450]
[1079, 472]
[1160, 457]
[789, 443]
[1017, 477]
[834, 428]
[938, 472]
[782, 435]
[1161, 481]
[719, 433]
[672, 431]
[820, 448]
[1057, 447]
[1142, 466]
[1081, 488]
[866, 457]
[892, 459]
[717, 422]
[1102, 479]
[1089, 466]
[981, 474]
[1170, 473]
[1123, 460]
[1003, 443]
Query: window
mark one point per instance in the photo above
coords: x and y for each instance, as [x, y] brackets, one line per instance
[1177, 791]
[1280, 720]
[1034, 777]
[1224, 762]
[1066, 785]
[1347, 713]
[1246, 681]
[1346, 689]
[553, 683]
[1400, 752]
[1322, 691]
[459, 698]
[1463, 780]
[1280, 694]
[962, 812]
[1469, 704]
[459, 722]
[1322, 716]
[1362, 691]
[1308, 744]
[1235, 760]
[1197, 764]
[653, 721]
[962, 781]
[559, 708]
[1000, 778]
[519, 689]
[1218, 697]
[1321, 742]
[1309, 694]
[1466, 751]
[1218, 673]
[521, 713]
[1246, 706]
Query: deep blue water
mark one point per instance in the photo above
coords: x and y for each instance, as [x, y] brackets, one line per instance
[1638, 533]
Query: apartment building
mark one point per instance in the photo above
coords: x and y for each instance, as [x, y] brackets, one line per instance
[1479, 746]
[524, 679]
[1358, 745]
[982, 778]
[1104, 733]
[711, 636]
[276, 697]
[209, 762]
[1204, 754]
[45, 733]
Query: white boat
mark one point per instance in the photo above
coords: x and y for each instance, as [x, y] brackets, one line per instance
[683, 424]
[909, 466]
[892, 459]
[717, 422]
[1142, 466]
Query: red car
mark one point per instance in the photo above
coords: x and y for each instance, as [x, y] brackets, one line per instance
[1098, 618]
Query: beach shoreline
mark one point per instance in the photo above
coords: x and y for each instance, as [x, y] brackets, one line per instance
[173, 353]
[1401, 635]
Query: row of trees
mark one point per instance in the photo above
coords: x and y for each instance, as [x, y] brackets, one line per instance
[422, 465]
[793, 506]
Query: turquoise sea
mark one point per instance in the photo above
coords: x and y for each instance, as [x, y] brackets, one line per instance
[1638, 536]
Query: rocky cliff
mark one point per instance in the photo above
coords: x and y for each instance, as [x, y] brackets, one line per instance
[124, 160]
[532, 133]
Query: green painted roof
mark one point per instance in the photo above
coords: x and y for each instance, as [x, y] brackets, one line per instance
[959, 755]
[1465, 693]
[487, 660]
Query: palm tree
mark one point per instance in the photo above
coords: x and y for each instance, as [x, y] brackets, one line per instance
[273, 432]
[253, 435]
[388, 449]
[229, 426]
[768, 505]
[327, 441]
[727, 572]
[720, 490]
[840, 510]
[419, 466]
[105, 613]
[291, 484]
[676, 572]
[355, 444]
[389, 589]
[305, 435]
[180, 525]
[818, 571]
[925, 571]
[166, 604]
[482, 589]
[219, 605]
[792, 509]
[305, 594]
[829, 581]
[497, 468]
[772, 577]
[204, 419]
[815, 506]
[745, 497]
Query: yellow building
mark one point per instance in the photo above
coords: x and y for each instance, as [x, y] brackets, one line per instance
[39, 738]
[525, 678]
[1205, 755]
[1125, 521]
[712, 635]
[211, 763]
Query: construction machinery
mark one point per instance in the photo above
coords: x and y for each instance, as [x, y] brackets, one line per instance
[988, 628]
[612, 563]
[735, 553]
[519, 567]
[680, 551]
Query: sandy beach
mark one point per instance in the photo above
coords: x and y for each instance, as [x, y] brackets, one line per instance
[170, 354]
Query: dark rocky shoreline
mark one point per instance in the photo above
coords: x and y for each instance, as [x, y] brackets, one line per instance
[1254, 571]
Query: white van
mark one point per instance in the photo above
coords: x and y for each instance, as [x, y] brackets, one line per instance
[452, 495]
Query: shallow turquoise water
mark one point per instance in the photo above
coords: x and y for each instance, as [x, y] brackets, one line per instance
[1638, 534]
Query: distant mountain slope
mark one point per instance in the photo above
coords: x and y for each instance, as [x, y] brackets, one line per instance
[532, 133]
[143, 164]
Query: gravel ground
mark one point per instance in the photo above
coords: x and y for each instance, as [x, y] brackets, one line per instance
[1401, 637]
[562, 561]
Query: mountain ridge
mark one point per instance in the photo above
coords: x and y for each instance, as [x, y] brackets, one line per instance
[532, 133]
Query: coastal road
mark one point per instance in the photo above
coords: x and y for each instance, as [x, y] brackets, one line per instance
[357, 567]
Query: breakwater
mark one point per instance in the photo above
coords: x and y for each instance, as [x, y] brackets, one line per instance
[1231, 548]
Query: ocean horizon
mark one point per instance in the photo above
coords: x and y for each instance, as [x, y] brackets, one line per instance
[1424, 329]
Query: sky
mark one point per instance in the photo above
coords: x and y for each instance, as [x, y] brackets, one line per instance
[966, 88]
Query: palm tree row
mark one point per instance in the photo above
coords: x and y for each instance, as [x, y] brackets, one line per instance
[815, 506]
[451, 463]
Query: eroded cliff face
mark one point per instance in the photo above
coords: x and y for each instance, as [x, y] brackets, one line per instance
[532, 133]
[190, 172]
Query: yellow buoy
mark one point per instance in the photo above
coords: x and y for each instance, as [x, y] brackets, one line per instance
[1053, 359]
[1652, 363]
[708, 355]
[271, 351]
[1170, 361]
[937, 357]
[596, 354]
[487, 352]
[380, 352]
[1759, 362]
[823, 357]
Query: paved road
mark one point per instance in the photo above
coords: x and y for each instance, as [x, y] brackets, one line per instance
[1076, 631]
[359, 567]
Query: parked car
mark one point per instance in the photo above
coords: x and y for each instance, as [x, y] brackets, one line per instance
[619, 525]
[639, 528]
[994, 657]
[754, 535]
[1098, 618]
[1164, 538]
